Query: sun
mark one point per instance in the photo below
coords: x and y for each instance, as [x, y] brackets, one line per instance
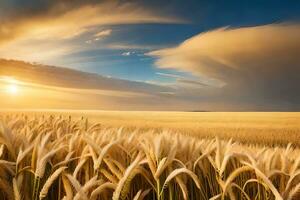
[12, 89]
[11, 86]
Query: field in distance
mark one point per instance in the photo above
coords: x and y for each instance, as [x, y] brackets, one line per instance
[268, 128]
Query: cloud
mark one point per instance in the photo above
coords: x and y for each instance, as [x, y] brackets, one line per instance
[192, 83]
[64, 20]
[169, 75]
[252, 65]
[103, 33]
[122, 46]
[37, 51]
[128, 53]
[69, 78]
[60, 23]
[183, 81]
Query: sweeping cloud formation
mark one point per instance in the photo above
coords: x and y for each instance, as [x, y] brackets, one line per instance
[252, 64]
[68, 19]
[45, 30]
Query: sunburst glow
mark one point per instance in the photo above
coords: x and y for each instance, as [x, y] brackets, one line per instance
[10, 85]
[12, 89]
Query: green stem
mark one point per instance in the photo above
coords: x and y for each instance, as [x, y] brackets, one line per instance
[170, 192]
[36, 187]
[158, 189]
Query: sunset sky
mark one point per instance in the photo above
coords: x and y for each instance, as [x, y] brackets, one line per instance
[150, 55]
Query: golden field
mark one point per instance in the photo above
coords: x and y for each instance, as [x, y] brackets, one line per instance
[156, 155]
[267, 128]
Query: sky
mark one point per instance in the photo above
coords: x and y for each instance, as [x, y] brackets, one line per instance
[150, 55]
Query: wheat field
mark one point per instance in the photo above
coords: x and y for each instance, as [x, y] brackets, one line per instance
[265, 128]
[61, 157]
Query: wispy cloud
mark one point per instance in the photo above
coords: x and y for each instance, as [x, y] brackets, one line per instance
[190, 83]
[184, 82]
[122, 46]
[103, 33]
[128, 53]
[169, 75]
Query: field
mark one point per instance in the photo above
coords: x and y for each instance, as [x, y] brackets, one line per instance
[266, 128]
[149, 155]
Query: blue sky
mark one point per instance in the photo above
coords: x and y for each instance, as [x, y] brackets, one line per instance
[205, 54]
